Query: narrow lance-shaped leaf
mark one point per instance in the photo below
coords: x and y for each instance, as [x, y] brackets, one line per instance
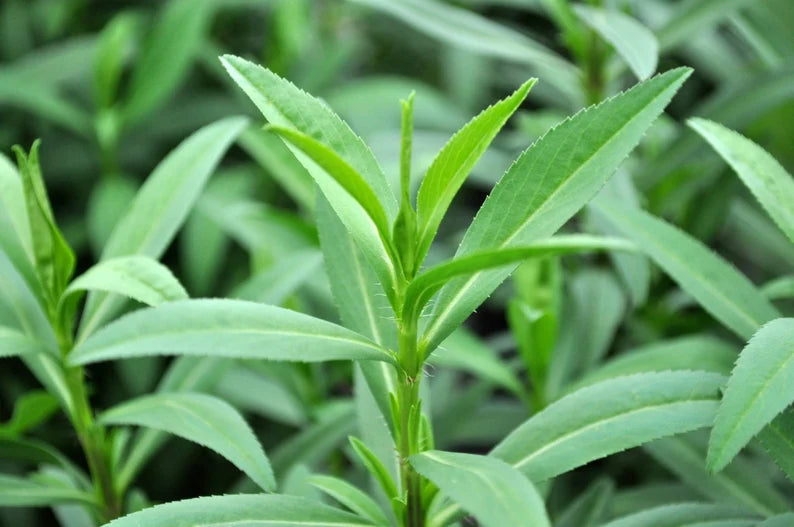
[161, 207]
[27, 492]
[721, 289]
[609, 417]
[633, 41]
[682, 514]
[345, 175]
[351, 497]
[769, 182]
[760, 387]
[203, 419]
[554, 178]
[777, 438]
[422, 289]
[285, 105]
[496, 493]
[455, 161]
[138, 277]
[14, 342]
[225, 328]
[242, 510]
[54, 258]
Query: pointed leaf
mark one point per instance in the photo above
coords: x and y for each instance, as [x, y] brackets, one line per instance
[610, 417]
[455, 161]
[632, 40]
[137, 277]
[284, 105]
[490, 489]
[225, 328]
[242, 511]
[14, 342]
[26, 492]
[760, 387]
[682, 514]
[769, 182]
[557, 176]
[203, 419]
[351, 497]
[777, 438]
[161, 207]
[719, 287]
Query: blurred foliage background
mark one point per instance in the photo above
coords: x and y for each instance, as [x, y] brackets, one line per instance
[111, 86]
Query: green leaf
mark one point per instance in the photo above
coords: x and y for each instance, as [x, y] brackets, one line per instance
[113, 48]
[285, 105]
[180, 28]
[137, 277]
[781, 520]
[106, 205]
[463, 350]
[275, 284]
[779, 288]
[203, 419]
[15, 237]
[241, 511]
[696, 352]
[27, 492]
[53, 257]
[455, 161]
[30, 410]
[351, 497]
[719, 287]
[589, 507]
[777, 438]
[683, 514]
[609, 417]
[693, 17]
[759, 388]
[161, 207]
[474, 33]
[225, 328]
[14, 342]
[559, 173]
[359, 298]
[634, 42]
[769, 182]
[375, 467]
[685, 455]
[341, 172]
[424, 286]
[496, 493]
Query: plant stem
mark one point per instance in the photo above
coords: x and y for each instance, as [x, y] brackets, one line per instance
[91, 436]
[410, 418]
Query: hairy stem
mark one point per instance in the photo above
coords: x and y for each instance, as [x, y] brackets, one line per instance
[409, 415]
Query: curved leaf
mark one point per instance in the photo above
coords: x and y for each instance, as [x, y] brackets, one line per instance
[244, 510]
[203, 419]
[454, 162]
[721, 289]
[496, 493]
[769, 182]
[27, 492]
[161, 206]
[760, 387]
[609, 417]
[351, 497]
[632, 40]
[556, 177]
[225, 328]
[137, 277]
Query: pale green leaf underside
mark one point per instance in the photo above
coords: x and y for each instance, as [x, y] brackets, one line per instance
[769, 182]
[547, 185]
[225, 328]
[24, 492]
[633, 41]
[137, 277]
[245, 510]
[14, 342]
[760, 387]
[490, 489]
[609, 417]
[719, 287]
[203, 419]
[454, 162]
[161, 206]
